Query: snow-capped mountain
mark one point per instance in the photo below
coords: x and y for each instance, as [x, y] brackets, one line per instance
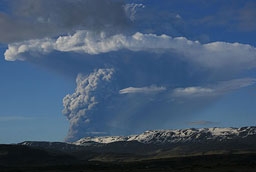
[191, 140]
[176, 136]
[155, 144]
[169, 146]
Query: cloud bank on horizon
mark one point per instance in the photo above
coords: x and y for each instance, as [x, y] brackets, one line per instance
[131, 76]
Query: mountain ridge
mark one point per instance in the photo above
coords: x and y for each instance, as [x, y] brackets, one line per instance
[162, 148]
[176, 136]
[176, 142]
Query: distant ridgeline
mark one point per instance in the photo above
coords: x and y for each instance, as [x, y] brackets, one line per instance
[189, 141]
[192, 135]
[160, 149]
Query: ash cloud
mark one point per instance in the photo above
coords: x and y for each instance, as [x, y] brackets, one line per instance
[187, 76]
[210, 55]
[148, 75]
[236, 17]
[79, 107]
[29, 19]
[131, 10]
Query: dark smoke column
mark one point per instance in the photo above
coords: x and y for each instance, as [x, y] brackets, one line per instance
[80, 108]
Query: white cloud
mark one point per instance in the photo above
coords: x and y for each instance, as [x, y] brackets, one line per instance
[234, 84]
[213, 55]
[192, 91]
[144, 90]
[40, 46]
[214, 90]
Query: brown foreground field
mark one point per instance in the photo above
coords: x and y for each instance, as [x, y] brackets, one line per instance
[207, 163]
[231, 156]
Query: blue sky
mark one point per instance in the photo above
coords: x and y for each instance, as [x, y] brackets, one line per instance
[31, 103]
[121, 67]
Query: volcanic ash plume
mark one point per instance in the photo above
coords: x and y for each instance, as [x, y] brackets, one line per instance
[91, 90]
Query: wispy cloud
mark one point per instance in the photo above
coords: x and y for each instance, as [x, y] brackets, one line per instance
[14, 118]
[214, 90]
[144, 90]
[192, 91]
[226, 86]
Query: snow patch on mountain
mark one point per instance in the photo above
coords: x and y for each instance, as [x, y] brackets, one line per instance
[176, 136]
[105, 139]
